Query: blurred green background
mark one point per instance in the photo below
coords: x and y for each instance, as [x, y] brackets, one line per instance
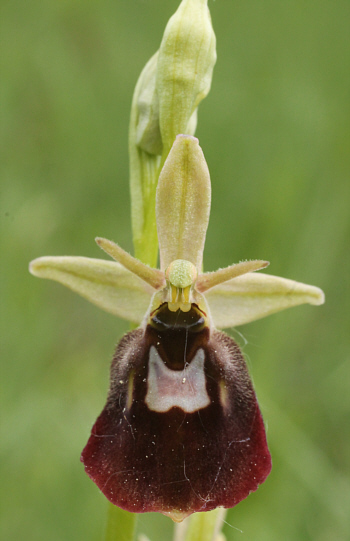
[275, 132]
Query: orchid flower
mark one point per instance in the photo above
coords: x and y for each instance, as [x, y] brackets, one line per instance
[181, 430]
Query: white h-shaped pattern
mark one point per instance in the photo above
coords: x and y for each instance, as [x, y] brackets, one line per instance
[168, 388]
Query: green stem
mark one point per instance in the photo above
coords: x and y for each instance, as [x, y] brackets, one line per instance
[121, 525]
[204, 526]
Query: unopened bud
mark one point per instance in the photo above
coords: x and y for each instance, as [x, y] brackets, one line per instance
[165, 101]
[147, 134]
[175, 80]
[187, 56]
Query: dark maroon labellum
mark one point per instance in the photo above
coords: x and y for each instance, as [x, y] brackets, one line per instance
[181, 430]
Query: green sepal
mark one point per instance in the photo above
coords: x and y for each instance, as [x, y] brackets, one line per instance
[183, 203]
[255, 295]
[104, 283]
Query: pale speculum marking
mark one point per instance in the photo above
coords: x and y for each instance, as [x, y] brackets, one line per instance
[185, 389]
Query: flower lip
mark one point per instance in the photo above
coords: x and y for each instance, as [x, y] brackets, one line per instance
[146, 457]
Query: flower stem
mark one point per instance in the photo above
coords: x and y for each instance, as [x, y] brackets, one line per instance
[204, 526]
[121, 525]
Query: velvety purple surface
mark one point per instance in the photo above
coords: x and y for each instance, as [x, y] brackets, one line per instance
[170, 462]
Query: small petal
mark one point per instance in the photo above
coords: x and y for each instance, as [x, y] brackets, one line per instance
[104, 283]
[153, 277]
[183, 203]
[211, 279]
[253, 296]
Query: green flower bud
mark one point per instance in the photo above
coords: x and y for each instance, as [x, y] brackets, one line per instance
[187, 56]
[147, 132]
[145, 149]
[175, 80]
[166, 97]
